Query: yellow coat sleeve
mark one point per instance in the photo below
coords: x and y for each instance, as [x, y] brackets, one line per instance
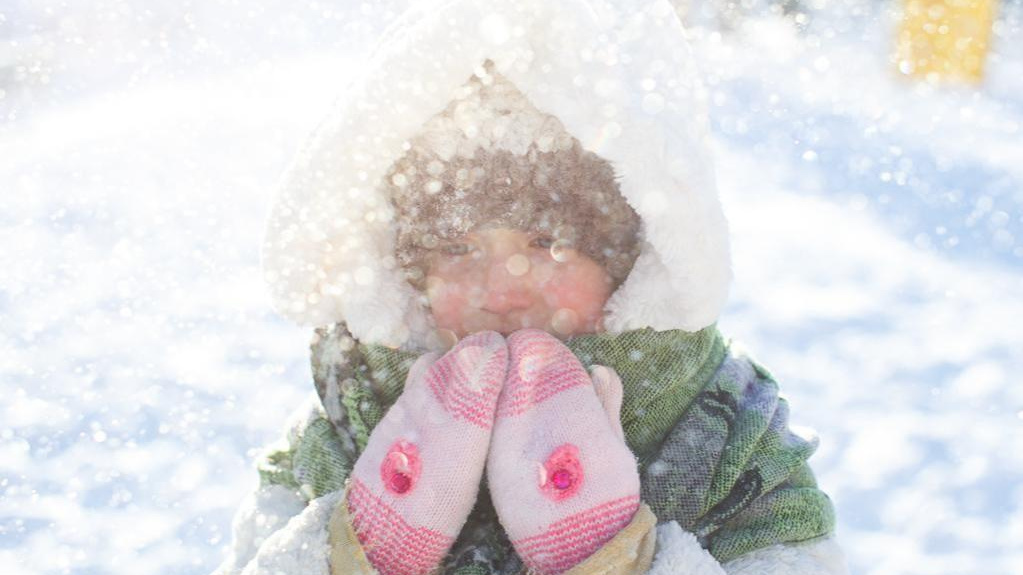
[630, 552]
[346, 554]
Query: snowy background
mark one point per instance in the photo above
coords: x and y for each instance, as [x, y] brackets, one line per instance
[878, 245]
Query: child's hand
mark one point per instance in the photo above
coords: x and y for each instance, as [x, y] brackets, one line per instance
[563, 480]
[609, 390]
[413, 487]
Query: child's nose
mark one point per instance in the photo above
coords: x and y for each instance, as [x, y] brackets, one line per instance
[508, 285]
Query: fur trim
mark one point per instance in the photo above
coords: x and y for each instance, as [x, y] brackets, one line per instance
[302, 545]
[621, 80]
[817, 557]
[679, 553]
[262, 513]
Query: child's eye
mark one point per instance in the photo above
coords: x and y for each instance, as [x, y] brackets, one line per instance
[542, 242]
[455, 249]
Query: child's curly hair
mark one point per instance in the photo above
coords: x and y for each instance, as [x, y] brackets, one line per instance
[492, 158]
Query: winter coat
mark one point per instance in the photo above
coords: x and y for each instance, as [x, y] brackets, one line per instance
[714, 451]
[622, 80]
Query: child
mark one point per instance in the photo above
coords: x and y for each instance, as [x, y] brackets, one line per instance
[517, 363]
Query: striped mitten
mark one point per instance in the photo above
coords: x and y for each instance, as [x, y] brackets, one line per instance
[562, 478]
[416, 482]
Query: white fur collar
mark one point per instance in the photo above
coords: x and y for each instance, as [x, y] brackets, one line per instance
[622, 80]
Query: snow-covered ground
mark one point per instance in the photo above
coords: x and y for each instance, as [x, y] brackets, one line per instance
[878, 246]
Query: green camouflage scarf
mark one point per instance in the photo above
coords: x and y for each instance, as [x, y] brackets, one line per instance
[705, 422]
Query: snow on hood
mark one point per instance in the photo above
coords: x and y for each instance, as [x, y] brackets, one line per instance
[621, 80]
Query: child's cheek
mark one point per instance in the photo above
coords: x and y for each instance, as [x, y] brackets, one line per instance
[577, 288]
[447, 301]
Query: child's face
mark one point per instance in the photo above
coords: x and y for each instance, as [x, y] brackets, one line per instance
[503, 280]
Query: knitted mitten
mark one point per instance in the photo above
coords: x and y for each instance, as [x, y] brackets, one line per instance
[416, 482]
[562, 478]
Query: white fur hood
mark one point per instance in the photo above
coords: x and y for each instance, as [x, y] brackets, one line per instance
[621, 80]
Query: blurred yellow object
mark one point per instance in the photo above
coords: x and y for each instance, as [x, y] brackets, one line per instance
[945, 39]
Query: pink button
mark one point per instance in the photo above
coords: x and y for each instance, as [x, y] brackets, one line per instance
[401, 467]
[563, 473]
[400, 483]
[562, 479]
